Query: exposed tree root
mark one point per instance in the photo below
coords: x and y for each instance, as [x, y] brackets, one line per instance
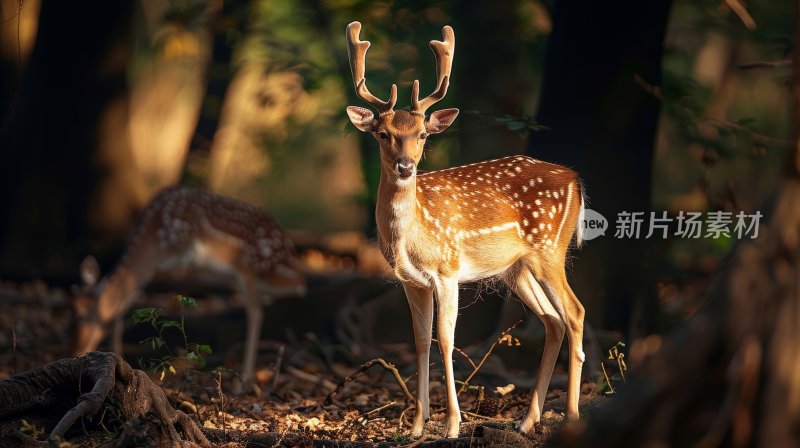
[68, 390]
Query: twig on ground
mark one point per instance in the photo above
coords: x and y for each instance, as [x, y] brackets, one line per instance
[513, 404]
[380, 408]
[461, 352]
[278, 364]
[279, 442]
[472, 417]
[608, 380]
[486, 356]
[421, 440]
[310, 377]
[364, 367]
[402, 419]
[218, 381]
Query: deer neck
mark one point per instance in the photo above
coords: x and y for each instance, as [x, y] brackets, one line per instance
[112, 293]
[116, 293]
[396, 211]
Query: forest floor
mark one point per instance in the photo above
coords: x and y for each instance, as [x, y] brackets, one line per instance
[292, 405]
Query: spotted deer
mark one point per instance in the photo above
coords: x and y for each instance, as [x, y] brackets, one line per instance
[185, 229]
[511, 218]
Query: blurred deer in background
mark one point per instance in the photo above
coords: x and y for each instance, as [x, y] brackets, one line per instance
[183, 229]
[511, 218]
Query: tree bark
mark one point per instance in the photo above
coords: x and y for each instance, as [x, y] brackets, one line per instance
[66, 142]
[603, 125]
[229, 18]
[729, 376]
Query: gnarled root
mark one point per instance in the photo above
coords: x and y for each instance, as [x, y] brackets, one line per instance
[87, 383]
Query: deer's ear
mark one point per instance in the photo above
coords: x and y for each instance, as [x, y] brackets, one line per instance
[440, 120]
[362, 118]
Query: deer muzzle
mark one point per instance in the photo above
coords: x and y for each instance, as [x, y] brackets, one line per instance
[405, 167]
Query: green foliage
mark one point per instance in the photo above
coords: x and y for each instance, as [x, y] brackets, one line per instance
[301, 129]
[521, 124]
[731, 117]
[466, 386]
[685, 102]
[187, 301]
[401, 439]
[725, 122]
[167, 363]
[307, 38]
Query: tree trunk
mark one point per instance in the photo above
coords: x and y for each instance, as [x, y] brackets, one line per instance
[230, 18]
[488, 77]
[66, 174]
[603, 125]
[729, 376]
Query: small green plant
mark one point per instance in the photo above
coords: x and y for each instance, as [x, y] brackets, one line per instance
[400, 438]
[467, 386]
[167, 364]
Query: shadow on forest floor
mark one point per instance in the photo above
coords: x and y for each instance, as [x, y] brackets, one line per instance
[297, 371]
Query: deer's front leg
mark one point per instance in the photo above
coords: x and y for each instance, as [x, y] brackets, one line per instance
[447, 306]
[420, 300]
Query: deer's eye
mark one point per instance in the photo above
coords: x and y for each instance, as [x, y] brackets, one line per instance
[423, 136]
[383, 135]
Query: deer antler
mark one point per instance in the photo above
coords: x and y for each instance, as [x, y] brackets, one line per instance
[357, 53]
[444, 51]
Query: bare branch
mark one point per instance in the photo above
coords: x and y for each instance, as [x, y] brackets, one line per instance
[766, 64]
[366, 366]
[486, 356]
[761, 139]
[740, 10]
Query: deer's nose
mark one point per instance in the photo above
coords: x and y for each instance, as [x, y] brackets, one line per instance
[405, 167]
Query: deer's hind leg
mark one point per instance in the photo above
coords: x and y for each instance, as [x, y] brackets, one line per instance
[521, 280]
[573, 312]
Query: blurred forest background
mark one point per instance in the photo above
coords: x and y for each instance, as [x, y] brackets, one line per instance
[659, 105]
